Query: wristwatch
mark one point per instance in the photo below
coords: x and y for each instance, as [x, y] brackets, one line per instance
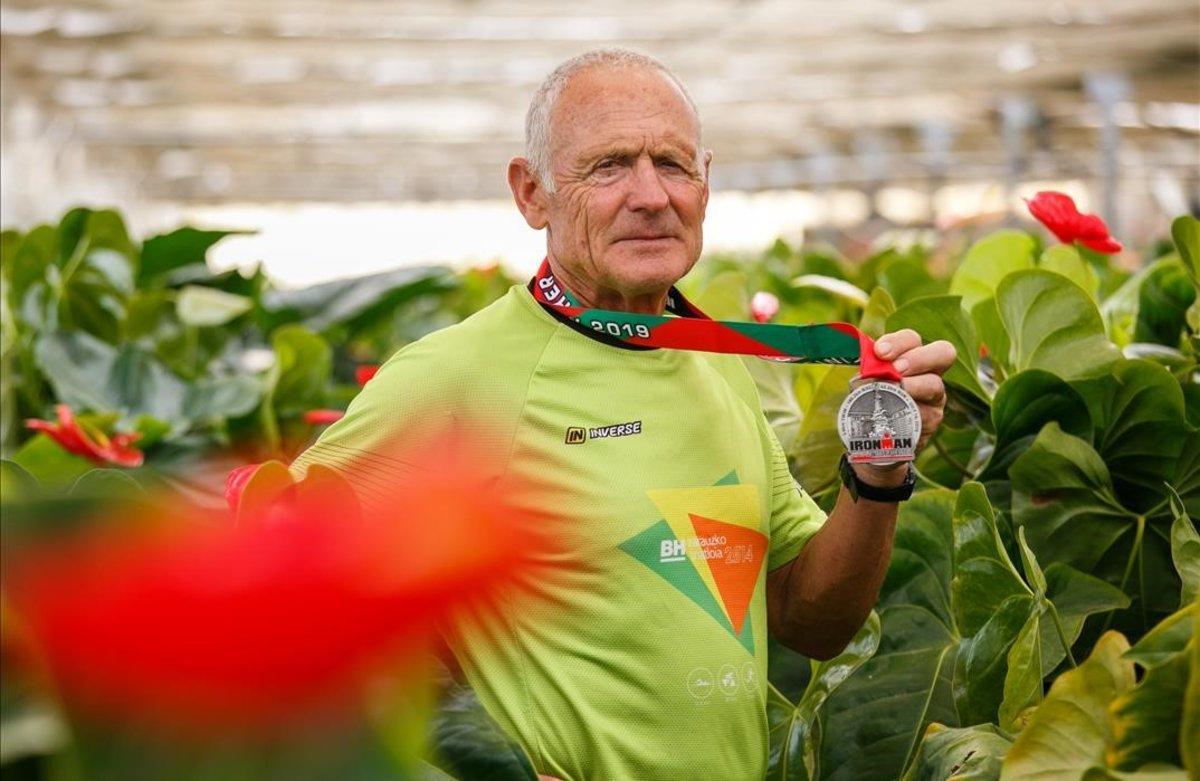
[875, 493]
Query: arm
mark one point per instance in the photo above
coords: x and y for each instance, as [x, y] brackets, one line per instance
[819, 599]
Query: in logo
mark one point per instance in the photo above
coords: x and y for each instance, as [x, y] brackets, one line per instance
[576, 435]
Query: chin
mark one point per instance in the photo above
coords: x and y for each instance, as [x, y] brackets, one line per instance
[645, 267]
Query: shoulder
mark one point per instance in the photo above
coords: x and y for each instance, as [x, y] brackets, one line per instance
[497, 346]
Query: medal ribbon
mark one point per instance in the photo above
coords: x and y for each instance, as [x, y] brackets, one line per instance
[691, 329]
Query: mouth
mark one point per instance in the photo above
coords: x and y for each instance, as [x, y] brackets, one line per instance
[645, 239]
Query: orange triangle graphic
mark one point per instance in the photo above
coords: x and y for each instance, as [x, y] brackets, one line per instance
[734, 555]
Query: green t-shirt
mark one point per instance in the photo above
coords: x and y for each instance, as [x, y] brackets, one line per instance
[645, 656]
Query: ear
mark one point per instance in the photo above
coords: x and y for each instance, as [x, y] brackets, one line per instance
[708, 156]
[528, 193]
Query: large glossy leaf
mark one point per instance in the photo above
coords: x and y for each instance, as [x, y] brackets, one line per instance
[223, 397]
[907, 279]
[1185, 231]
[1053, 325]
[353, 302]
[947, 625]
[467, 743]
[817, 446]
[180, 248]
[1025, 403]
[1168, 638]
[1163, 301]
[795, 730]
[1191, 703]
[45, 460]
[942, 317]
[963, 754]
[303, 362]
[875, 314]
[1137, 411]
[205, 306]
[1146, 722]
[1185, 550]
[1063, 495]
[988, 261]
[992, 335]
[1070, 731]
[1064, 259]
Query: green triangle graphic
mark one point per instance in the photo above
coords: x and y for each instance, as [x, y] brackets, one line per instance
[646, 547]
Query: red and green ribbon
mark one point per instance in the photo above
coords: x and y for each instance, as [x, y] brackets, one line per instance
[691, 329]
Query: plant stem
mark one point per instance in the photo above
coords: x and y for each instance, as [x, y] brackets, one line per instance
[941, 449]
[1133, 556]
[1062, 632]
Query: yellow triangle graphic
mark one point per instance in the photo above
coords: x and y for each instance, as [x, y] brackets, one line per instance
[736, 504]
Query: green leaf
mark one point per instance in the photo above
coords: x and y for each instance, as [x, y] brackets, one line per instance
[16, 484]
[817, 447]
[206, 306]
[963, 754]
[36, 252]
[354, 303]
[1064, 259]
[1070, 731]
[180, 248]
[1191, 703]
[1185, 549]
[942, 317]
[941, 655]
[106, 484]
[1023, 682]
[907, 279]
[303, 362]
[1137, 410]
[838, 288]
[776, 397]
[1026, 402]
[1053, 325]
[1185, 231]
[875, 313]
[1146, 721]
[988, 261]
[1167, 639]
[724, 296]
[795, 731]
[223, 397]
[988, 324]
[1163, 301]
[1075, 596]
[45, 460]
[466, 741]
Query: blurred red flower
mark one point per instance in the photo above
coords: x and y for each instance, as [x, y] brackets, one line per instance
[1057, 212]
[764, 306]
[235, 483]
[90, 443]
[323, 417]
[201, 626]
[365, 372]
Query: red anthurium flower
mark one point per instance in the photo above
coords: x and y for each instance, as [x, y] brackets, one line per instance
[1057, 212]
[764, 306]
[207, 627]
[323, 417]
[91, 444]
[365, 372]
[983, 350]
[235, 483]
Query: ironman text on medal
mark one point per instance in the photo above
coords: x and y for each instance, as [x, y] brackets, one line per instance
[879, 423]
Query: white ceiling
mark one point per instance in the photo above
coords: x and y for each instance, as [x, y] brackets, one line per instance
[351, 100]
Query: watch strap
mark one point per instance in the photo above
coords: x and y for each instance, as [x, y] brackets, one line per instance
[875, 493]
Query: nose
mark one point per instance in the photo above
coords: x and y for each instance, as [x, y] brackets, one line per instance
[646, 190]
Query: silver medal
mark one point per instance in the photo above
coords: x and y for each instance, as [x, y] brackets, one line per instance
[879, 424]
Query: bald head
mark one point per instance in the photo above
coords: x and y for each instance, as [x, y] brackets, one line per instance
[542, 115]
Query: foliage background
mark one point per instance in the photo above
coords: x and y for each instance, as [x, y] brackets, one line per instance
[1044, 578]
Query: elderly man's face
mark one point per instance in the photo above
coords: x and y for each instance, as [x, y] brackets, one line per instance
[629, 203]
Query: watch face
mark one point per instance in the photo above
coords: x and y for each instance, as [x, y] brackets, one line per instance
[879, 424]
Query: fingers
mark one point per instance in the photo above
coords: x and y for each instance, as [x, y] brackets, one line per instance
[935, 357]
[925, 388]
[897, 343]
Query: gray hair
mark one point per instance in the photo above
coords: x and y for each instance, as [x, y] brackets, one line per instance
[537, 119]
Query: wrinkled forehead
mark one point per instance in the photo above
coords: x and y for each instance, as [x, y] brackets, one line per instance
[623, 106]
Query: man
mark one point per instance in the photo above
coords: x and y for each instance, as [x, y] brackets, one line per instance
[645, 656]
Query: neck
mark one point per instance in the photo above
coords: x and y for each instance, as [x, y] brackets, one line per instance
[595, 296]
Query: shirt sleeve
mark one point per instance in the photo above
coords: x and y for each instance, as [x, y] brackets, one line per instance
[795, 517]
